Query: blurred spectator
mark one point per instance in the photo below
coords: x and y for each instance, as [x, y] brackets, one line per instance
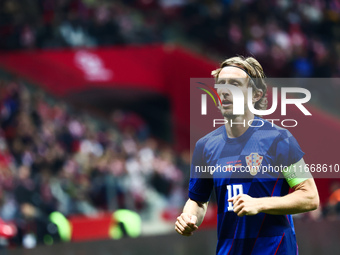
[7, 231]
[335, 195]
[332, 209]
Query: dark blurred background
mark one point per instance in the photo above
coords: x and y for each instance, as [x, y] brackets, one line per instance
[94, 113]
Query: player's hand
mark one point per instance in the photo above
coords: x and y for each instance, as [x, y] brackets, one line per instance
[245, 205]
[186, 224]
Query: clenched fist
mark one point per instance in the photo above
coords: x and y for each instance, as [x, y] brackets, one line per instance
[245, 205]
[186, 224]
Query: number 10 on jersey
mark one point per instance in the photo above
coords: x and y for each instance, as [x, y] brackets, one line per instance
[233, 190]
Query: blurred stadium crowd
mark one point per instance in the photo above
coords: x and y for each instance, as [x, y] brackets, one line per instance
[291, 38]
[55, 158]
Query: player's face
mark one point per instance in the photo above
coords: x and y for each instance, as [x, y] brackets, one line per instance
[236, 77]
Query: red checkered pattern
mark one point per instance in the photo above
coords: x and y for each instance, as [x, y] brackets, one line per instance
[258, 160]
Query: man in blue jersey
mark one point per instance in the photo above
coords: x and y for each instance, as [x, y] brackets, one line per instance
[254, 209]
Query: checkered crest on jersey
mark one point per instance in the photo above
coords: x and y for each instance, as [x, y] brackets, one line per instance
[254, 161]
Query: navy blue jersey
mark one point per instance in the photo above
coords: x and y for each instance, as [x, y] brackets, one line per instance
[266, 145]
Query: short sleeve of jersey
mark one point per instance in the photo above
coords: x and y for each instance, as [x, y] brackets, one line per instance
[288, 154]
[288, 150]
[200, 187]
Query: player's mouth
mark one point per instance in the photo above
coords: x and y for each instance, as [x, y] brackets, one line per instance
[227, 103]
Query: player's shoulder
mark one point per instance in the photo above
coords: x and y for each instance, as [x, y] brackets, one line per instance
[217, 133]
[271, 129]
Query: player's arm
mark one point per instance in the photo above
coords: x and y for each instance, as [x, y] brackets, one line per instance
[200, 187]
[192, 216]
[304, 198]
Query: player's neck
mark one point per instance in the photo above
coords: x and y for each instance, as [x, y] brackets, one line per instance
[238, 125]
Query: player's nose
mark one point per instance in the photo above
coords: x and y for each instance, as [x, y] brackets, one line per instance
[224, 93]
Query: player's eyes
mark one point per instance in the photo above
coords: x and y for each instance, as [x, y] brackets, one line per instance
[234, 83]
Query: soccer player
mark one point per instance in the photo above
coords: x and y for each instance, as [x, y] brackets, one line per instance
[254, 209]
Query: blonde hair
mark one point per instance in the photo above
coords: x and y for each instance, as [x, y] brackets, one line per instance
[254, 69]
